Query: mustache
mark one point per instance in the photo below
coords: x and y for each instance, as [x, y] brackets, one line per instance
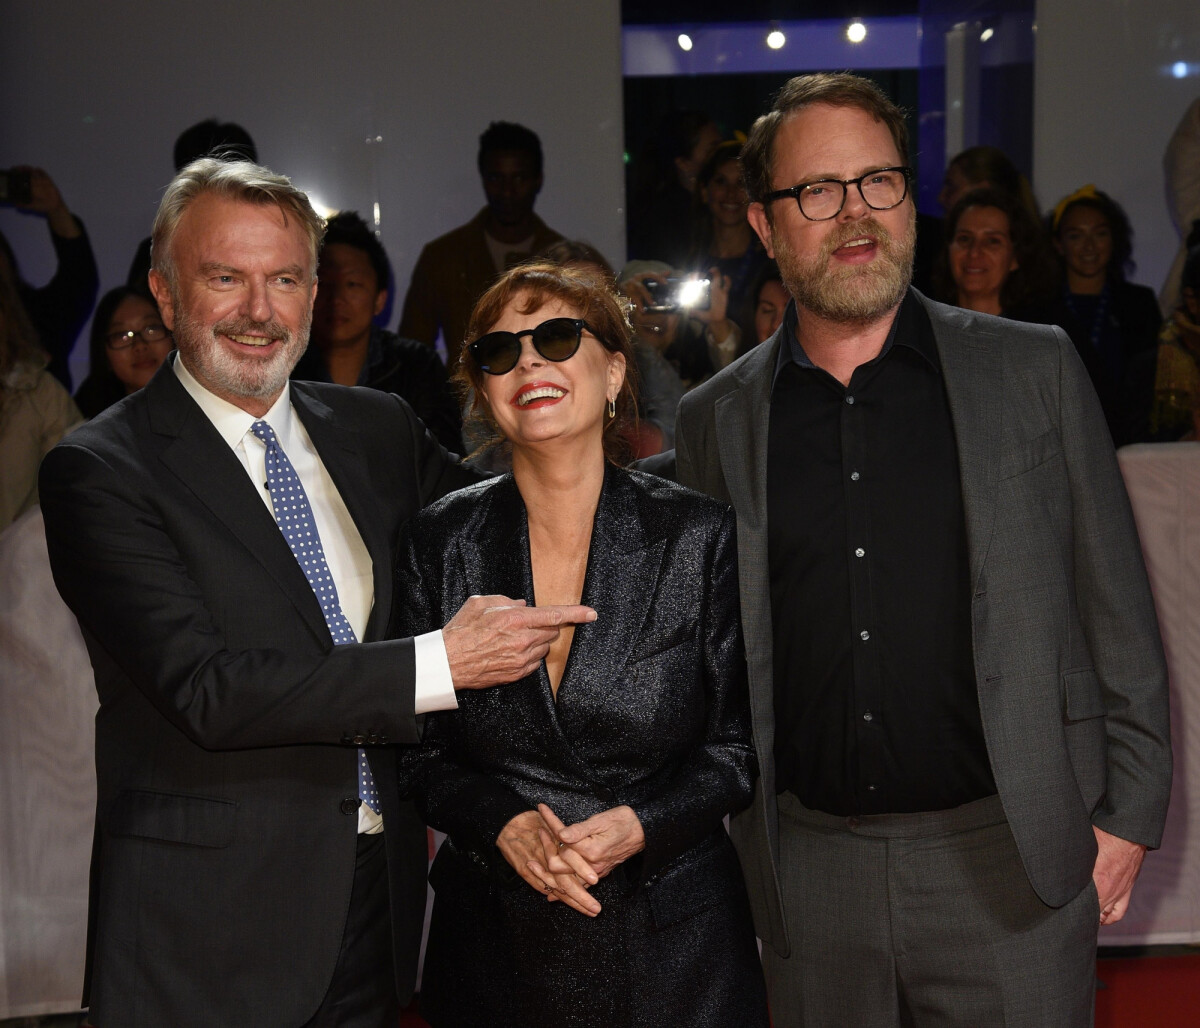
[867, 226]
[248, 326]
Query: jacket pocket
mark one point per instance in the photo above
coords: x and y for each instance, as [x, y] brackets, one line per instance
[1081, 695]
[1024, 456]
[656, 646]
[699, 882]
[173, 817]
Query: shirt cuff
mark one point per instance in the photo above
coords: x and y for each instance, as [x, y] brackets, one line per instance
[434, 687]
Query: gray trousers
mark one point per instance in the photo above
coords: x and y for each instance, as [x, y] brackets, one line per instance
[923, 920]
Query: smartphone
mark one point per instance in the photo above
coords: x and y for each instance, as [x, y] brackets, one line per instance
[678, 294]
[16, 187]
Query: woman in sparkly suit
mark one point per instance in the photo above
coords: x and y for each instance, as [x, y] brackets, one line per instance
[587, 878]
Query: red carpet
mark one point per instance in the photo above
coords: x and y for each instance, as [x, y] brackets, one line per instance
[1140, 992]
[411, 1019]
[1149, 992]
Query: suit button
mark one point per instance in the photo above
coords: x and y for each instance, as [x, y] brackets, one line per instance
[603, 792]
[349, 805]
[372, 739]
[383, 740]
[347, 737]
[359, 739]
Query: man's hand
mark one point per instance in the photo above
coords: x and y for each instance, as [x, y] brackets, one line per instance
[1117, 865]
[493, 640]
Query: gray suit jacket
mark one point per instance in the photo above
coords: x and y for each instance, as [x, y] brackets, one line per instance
[1068, 664]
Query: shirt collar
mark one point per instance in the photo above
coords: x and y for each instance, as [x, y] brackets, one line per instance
[231, 422]
[910, 327]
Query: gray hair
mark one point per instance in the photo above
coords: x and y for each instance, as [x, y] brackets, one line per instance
[234, 180]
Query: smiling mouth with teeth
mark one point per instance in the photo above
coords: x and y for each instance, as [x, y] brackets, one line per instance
[253, 340]
[541, 393]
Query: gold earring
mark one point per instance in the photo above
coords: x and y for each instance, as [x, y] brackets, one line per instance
[612, 407]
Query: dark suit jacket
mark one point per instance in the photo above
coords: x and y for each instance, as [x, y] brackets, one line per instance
[407, 368]
[226, 809]
[652, 712]
[451, 273]
[1133, 310]
[1068, 664]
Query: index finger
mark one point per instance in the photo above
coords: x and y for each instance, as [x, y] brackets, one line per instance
[556, 614]
[551, 818]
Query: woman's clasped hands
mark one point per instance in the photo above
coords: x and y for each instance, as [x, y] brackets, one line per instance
[564, 861]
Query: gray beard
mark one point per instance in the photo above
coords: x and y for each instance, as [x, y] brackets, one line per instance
[226, 375]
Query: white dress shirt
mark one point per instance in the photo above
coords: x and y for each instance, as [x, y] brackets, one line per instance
[349, 562]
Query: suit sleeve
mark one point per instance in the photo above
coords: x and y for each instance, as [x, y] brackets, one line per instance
[209, 660]
[718, 777]
[418, 319]
[1118, 617]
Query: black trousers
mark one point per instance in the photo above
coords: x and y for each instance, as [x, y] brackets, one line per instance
[362, 993]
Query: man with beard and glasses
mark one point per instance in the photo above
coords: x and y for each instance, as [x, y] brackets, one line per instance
[226, 539]
[958, 690]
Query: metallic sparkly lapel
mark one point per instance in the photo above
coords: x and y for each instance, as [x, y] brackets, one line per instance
[620, 582]
[624, 564]
[499, 548]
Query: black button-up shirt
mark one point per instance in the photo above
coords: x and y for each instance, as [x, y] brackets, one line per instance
[875, 698]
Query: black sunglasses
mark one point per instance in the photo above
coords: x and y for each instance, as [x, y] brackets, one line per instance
[558, 339]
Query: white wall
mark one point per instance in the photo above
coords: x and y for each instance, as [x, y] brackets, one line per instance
[1106, 104]
[97, 93]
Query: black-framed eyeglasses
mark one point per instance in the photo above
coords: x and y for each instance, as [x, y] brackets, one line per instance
[881, 190]
[147, 334]
[558, 339]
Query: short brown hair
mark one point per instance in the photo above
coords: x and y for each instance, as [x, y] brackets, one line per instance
[839, 89]
[595, 299]
[234, 180]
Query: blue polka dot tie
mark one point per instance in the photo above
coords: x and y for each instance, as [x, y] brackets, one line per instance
[299, 528]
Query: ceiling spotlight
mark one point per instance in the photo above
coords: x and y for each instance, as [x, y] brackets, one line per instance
[684, 41]
[856, 32]
[775, 38]
[1179, 70]
[986, 34]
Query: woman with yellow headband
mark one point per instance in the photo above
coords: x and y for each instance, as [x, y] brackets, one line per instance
[1109, 319]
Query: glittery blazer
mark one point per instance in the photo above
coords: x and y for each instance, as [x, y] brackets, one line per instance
[652, 712]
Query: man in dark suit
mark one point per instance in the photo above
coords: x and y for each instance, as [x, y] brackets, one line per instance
[225, 540]
[453, 270]
[958, 691]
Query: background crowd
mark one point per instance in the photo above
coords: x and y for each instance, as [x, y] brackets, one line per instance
[992, 249]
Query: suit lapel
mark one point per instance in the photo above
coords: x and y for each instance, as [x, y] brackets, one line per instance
[494, 558]
[620, 583]
[744, 415]
[197, 455]
[974, 386]
[347, 466]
